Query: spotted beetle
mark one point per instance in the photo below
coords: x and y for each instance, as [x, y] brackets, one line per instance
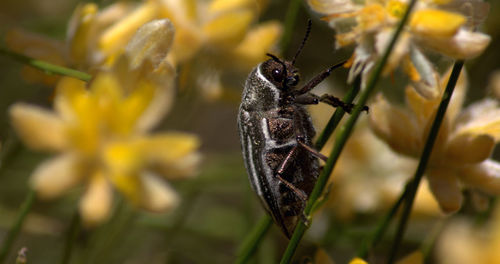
[276, 135]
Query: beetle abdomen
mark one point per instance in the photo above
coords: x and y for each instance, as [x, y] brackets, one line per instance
[267, 137]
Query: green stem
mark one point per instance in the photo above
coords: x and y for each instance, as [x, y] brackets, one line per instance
[14, 231]
[382, 226]
[250, 244]
[290, 19]
[337, 116]
[426, 153]
[71, 235]
[46, 67]
[342, 139]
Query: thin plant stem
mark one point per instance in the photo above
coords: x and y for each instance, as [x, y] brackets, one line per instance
[71, 235]
[290, 20]
[341, 139]
[382, 226]
[250, 244]
[46, 67]
[16, 228]
[426, 153]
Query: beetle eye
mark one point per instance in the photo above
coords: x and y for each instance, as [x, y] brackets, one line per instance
[277, 75]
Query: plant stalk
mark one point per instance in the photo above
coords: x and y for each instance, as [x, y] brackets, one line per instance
[46, 67]
[426, 153]
[16, 228]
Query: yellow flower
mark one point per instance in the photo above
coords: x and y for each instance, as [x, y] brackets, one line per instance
[413, 258]
[212, 37]
[369, 176]
[101, 133]
[462, 149]
[462, 242]
[218, 37]
[443, 26]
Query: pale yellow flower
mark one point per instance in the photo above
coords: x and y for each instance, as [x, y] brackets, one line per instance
[101, 132]
[460, 156]
[369, 176]
[212, 37]
[447, 27]
[462, 242]
[413, 258]
[218, 39]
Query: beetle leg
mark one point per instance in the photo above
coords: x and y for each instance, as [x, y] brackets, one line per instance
[317, 79]
[336, 102]
[298, 192]
[281, 169]
[300, 140]
[310, 98]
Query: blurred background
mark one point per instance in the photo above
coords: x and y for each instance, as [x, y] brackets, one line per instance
[218, 207]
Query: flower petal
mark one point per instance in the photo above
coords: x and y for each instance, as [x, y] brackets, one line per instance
[331, 6]
[446, 188]
[79, 32]
[252, 49]
[39, 128]
[95, 205]
[396, 127]
[228, 29]
[468, 148]
[183, 168]
[484, 176]
[56, 176]
[157, 195]
[414, 258]
[217, 6]
[172, 154]
[436, 23]
[481, 118]
[357, 261]
[428, 83]
[158, 107]
[463, 45]
[116, 37]
[152, 42]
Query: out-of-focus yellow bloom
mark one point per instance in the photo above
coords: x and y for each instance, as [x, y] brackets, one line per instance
[101, 133]
[211, 37]
[447, 27]
[462, 242]
[462, 149]
[216, 37]
[369, 176]
[413, 258]
[357, 261]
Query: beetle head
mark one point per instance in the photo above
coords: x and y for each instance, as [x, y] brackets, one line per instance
[281, 73]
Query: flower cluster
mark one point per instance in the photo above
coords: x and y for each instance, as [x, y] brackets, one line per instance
[101, 132]
[463, 146]
[219, 32]
[444, 26]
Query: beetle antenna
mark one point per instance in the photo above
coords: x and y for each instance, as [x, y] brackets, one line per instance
[276, 59]
[308, 30]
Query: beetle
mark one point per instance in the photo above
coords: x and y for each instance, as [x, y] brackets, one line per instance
[276, 135]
